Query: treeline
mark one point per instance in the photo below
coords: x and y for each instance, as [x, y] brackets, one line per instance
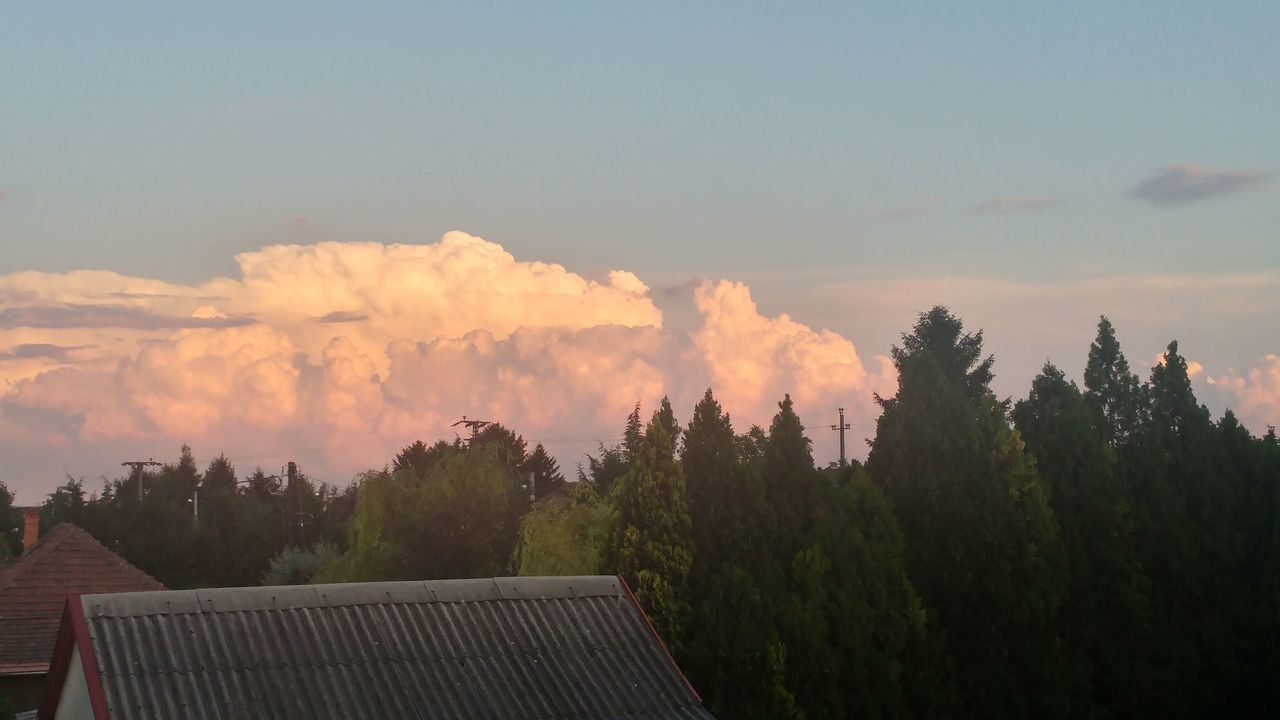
[1099, 551]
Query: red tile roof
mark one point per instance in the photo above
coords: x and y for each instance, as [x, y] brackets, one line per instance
[34, 589]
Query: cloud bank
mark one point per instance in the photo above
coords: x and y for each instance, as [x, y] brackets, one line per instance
[336, 354]
[1177, 185]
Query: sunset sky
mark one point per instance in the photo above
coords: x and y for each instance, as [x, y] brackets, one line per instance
[310, 233]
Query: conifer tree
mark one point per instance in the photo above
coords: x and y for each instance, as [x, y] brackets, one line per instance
[981, 541]
[1105, 621]
[650, 543]
[1111, 390]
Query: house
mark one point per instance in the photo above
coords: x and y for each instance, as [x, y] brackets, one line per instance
[498, 649]
[33, 594]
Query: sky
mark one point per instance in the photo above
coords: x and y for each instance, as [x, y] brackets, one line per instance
[310, 232]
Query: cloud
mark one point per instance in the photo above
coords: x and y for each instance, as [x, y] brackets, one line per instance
[340, 316]
[1256, 392]
[910, 212]
[338, 353]
[107, 316]
[1010, 204]
[1184, 184]
[42, 351]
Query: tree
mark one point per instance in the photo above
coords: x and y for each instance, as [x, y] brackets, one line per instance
[667, 417]
[650, 541]
[10, 525]
[632, 435]
[565, 539]
[981, 541]
[545, 471]
[300, 565]
[730, 648]
[418, 457]
[449, 522]
[1112, 392]
[219, 477]
[604, 470]
[1105, 626]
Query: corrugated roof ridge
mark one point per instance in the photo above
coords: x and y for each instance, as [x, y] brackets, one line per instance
[394, 592]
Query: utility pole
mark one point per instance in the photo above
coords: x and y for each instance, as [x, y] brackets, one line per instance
[473, 425]
[291, 515]
[138, 466]
[841, 427]
[195, 505]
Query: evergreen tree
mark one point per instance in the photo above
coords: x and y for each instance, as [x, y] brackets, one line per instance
[981, 541]
[220, 476]
[650, 542]
[667, 417]
[729, 652]
[632, 436]
[1112, 392]
[1105, 624]
[547, 477]
[604, 470]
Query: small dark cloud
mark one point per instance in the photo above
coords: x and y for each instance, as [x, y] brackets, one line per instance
[341, 316]
[104, 316]
[680, 289]
[138, 296]
[1185, 184]
[1009, 204]
[910, 212]
[42, 351]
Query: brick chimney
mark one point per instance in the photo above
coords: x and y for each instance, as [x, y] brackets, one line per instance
[30, 528]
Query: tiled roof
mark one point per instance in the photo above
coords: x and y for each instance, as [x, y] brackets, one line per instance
[498, 649]
[34, 589]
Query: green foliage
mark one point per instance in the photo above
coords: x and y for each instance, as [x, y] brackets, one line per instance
[649, 544]
[1112, 392]
[567, 538]
[547, 478]
[604, 470]
[7, 710]
[1105, 622]
[10, 525]
[300, 565]
[450, 521]
[982, 547]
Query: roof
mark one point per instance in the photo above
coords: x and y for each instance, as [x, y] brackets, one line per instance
[571, 647]
[34, 589]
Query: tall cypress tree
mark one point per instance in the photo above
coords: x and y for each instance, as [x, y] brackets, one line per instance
[981, 541]
[1106, 622]
[650, 543]
[1112, 392]
[730, 652]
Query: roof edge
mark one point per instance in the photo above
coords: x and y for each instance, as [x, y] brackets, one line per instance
[670, 658]
[283, 597]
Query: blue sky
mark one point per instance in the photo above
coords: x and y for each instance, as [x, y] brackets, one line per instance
[1031, 164]
[669, 138]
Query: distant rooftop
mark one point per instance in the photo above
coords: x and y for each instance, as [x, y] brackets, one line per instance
[34, 589]
[506, 648]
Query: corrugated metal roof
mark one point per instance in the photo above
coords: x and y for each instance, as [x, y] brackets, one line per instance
[574, 647]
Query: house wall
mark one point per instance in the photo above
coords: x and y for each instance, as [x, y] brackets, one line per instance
[24, 691]
[74, 703]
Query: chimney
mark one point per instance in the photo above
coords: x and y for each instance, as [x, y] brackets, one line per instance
[30, 528]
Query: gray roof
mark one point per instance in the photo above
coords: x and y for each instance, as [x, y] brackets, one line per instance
[571, 647]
